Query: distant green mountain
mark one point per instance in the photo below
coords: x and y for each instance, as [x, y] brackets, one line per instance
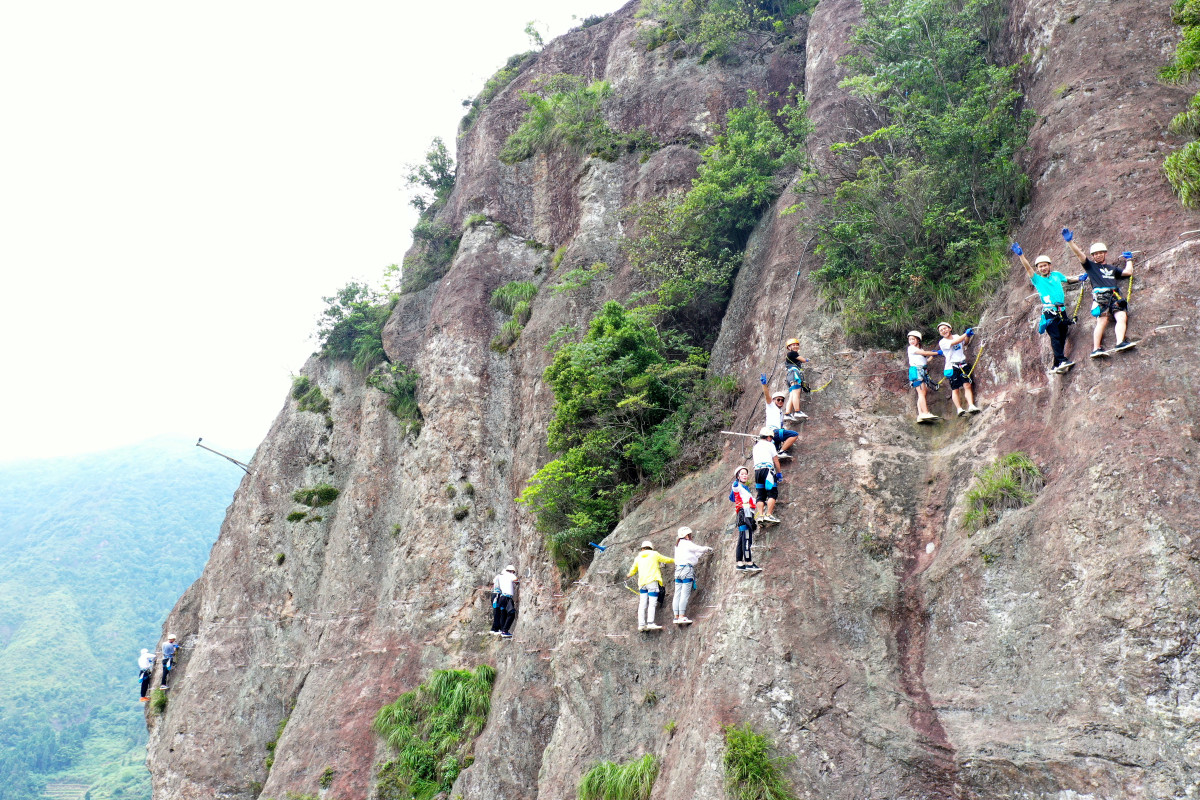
[94, 552]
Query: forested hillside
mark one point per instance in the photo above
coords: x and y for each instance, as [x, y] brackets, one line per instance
[93, 552]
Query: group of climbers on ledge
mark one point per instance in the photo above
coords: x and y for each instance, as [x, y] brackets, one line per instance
[146, 663]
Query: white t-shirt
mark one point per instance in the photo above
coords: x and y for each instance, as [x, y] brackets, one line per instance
[915, 359]
[764, 453]
[146, 661]
[689, 552]
[954, 353]
[507, 582]
[774, 416]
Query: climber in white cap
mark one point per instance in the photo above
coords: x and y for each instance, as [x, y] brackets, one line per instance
[146, 665]
[650, 584]
[504, 601]
[168, 650]
[1107, 300]
[687, 555]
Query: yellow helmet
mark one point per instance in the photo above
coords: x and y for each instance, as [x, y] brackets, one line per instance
[791, 342]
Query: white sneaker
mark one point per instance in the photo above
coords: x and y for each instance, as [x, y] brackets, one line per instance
[800, 415]
[962, 412]
[973, 409]
[653, 627]
[642, 629]
[684, 621]
[784, 455]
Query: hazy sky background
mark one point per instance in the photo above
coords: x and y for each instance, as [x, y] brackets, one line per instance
[181, 185]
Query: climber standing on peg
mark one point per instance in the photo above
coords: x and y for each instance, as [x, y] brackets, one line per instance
[794, 369]
[650, 584]
[504, 591]
[1055, 321]
[146, 665]
[743, 505]
[1107, 300]
[918, 375]
[782, 437]
[168, 650]
[687, 556]
[955, 368]
[767, 475]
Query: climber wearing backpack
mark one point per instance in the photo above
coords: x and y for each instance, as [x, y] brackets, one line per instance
[1107, 300]
[767, 474]
[1055, 321]
[955, 368]
[781, 436]
[687, 555]
[793, 365]
[650, 584]
[504, 602]
[146, 665]
[918, 374]
[743, 504]
[168, 650]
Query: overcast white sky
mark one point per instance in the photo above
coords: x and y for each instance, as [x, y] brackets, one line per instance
[181, 184]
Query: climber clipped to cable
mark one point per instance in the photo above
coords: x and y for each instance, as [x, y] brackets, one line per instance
[650, 584]
[504, 602]
[1107, 300]
[687, 556]
[1055, 322]
[955, 368]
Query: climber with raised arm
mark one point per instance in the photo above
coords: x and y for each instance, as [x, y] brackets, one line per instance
[1107, 299]
[781, 436]
[650, 584]
[504, 604]
[743, 507]
[687, 556]
[794, 370]
[918, 374]
[146, 666]
[1055, 321]
[168, 650]
[767, 474]
[955, 368]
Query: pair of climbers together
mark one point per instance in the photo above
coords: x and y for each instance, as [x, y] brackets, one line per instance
[146, 662]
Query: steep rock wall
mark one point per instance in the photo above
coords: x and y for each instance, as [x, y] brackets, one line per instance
[879, 645]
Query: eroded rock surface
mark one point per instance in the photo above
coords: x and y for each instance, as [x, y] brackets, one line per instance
[1051, 655]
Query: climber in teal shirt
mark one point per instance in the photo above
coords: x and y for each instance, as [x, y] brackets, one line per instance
[1055, 321]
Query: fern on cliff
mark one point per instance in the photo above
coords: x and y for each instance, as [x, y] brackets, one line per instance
[913, 233]
[1183, 166]
[433, 729]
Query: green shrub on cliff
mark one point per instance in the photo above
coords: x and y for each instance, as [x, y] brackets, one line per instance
[752, 772]
[308, 396]
[917, 231]
[433, 179]
[1183, 166]
[433, 729]
[631, 405]
[716, 28]
[565, 111]
[689, 245]
[633, 780]
[513, 298]
[495, 84]
[1010, 482]
[316, 496]
[351, 325]
[399, 383]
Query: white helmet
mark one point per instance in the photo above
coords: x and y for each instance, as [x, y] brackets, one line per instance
[1043, 258]
[779, 395]
[1098, 247]
[646, 546]
[916, 334]
[510, 568]
[170, 636]
[683, 532]
[766, 432]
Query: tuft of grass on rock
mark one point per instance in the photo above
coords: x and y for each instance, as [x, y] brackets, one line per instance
[608, 780]
[316, 496]
[752, 772]
[1012, 481]
[158, 701]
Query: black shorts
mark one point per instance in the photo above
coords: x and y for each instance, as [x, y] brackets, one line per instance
[760, 483]
[958, 377]
[1109, 301]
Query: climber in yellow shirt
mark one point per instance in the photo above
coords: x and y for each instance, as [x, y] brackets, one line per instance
[650, 584]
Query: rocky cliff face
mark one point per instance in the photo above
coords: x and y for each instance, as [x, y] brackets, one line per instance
[1054, 654]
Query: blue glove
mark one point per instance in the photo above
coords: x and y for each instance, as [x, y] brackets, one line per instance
[1082, 278]
[1067, 235]
[970, 331]
[1016, 248]
[763, 379]
[778, 477]
[1127, 255]
[940, 353]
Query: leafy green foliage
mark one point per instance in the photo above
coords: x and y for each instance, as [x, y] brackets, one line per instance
[1011, 481]
[581, 277]
[495, 84]
[916, 232]
[513, 298]
[316, 496]
[1183, 166]
[633, 780]
[434, 246]
[752, 772]
[326, 778]
[719, 28]
[433, 180]
[269, 761]
[351, 325]
[566, 111]
[433, 730]
[689, 245]
[83, 565]
[474, 220]
[631, 404]
[308, 396]
[399, 383]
